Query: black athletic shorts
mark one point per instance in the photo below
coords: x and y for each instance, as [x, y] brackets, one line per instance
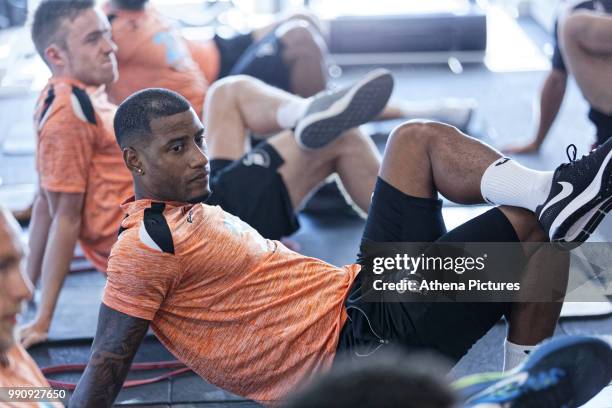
[262, 59]
[448, 328]
[252, 189]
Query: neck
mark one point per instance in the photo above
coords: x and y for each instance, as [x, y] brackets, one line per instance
[141, 193]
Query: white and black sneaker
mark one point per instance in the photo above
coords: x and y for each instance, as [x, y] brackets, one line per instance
[580, 197]
[332, 112]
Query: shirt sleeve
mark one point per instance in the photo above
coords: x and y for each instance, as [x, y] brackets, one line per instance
[65, 149]
[139, 278]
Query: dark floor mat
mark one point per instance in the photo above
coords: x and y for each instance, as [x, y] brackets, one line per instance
[184, 389]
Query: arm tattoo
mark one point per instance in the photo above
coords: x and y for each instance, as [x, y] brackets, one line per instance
[117, 339]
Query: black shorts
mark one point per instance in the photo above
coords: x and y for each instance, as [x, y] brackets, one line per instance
[448, 328]
[262, 59]
[252, 189]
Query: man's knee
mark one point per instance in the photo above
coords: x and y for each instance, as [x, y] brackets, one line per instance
[298, 36]
[228, 88]
[416, 135]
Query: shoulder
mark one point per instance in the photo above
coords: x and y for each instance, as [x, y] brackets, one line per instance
[149, 229]
[65, 103]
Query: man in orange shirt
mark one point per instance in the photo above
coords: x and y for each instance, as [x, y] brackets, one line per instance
[290, 55]
[83, 181]
[257, 319]
[17, 369]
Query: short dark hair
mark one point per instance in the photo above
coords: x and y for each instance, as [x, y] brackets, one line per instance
[133, 118]
[48, 19]
[130, 4]
[386, 380]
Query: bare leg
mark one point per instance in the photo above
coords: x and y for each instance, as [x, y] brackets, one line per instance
[586, 42]
[527, 326]
[242, 103]
[306, 54]
[424, 158]
[235, 104]
[352, 156]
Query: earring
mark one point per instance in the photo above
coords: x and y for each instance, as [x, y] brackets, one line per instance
[140, 171]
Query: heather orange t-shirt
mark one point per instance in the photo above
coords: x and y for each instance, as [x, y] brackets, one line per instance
[207, 56]
[22, 371]
[77, 153]
[152, 54]
[245, 313]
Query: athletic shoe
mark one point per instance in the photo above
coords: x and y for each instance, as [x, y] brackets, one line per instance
[332, 112]
[563, 372]
[580, 197]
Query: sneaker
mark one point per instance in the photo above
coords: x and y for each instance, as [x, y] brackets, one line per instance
[563, 372]
[580, 197]
[332, 112]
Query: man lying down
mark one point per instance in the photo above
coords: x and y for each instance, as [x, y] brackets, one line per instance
[251, 316]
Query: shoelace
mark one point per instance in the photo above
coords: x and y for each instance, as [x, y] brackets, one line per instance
[572, 151]
[572, 157]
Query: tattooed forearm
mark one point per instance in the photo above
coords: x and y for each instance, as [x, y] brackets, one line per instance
[117, 339]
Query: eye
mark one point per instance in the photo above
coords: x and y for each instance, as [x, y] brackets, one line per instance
[177, 148]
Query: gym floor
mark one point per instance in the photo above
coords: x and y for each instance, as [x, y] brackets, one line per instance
[504, 115]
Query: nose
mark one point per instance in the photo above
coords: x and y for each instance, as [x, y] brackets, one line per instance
[109, 46]
[199, 158]
[20, 286]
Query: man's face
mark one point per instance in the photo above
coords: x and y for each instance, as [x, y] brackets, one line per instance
[15, 286]
[174, 159]
[90, 52]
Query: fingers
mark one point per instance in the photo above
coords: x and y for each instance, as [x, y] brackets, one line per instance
[31, 335]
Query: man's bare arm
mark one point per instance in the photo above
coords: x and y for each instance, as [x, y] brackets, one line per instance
[551, 98]
[65, 210]
[39, 231]
[117, 339]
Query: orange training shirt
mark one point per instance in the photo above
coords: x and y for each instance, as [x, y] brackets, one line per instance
[245, 313]
[22, 371]
[77, 153]
[152, 54]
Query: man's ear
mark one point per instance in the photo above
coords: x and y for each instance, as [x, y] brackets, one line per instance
[56, 56]
[132, 161]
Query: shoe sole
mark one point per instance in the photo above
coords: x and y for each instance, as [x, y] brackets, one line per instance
[582, 222]
[583, 357]
[366, 99]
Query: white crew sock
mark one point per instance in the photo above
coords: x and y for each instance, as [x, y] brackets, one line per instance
[506, 182]
[514, 354]
[291, 111]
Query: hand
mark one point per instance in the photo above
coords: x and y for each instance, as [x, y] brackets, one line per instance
[522, 149]
[33, 333]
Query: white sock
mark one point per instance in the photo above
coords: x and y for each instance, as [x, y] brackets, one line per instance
[290, 112]
[506, 182]
[514, 354]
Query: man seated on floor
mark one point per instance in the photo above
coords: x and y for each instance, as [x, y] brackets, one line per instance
[290, 54]
[553, 89]
[17, 369]
[257, 319]
[83, 180]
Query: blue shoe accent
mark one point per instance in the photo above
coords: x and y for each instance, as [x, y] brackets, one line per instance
[562, 372]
